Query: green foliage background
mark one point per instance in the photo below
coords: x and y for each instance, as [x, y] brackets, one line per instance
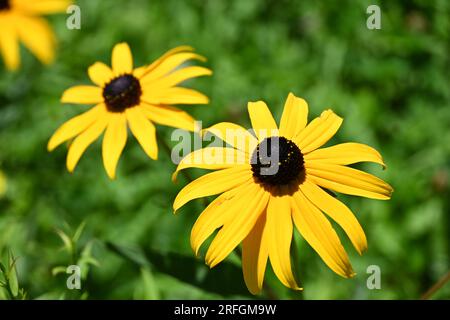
[391, 86]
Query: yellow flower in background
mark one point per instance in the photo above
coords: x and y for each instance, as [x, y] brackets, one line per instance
[127, 97]
[260, 210]
[20, 21]
[3, 184]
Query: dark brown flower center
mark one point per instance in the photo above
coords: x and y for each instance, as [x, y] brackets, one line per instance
[122, 92]
[4, 5]
[277, 161]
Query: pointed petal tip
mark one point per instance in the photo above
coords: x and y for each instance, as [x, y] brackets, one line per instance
[211, 263]
[200, 57]
[70, 168]
[254, 291]
[111, 175]
[174, 176]
[296, 288]
[50, 146]
[154, 156]
[185, 48]
[196, 251]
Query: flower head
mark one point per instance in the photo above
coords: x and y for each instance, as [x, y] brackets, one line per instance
[127, 97]
[279, 184]
[20, 21]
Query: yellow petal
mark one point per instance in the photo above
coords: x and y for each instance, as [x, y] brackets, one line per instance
[279, 236]
[37, 36]
[75, 126]
[144, 70]
[9, 43]
[114, 141]
[348, 180]
[139, 72]
[143, 130]
[213, 158]
[252, 205]
[255, 252]
[319, 233]
[42, 6]
[100, 74]
[346, 153]
[82, 95]
[337, 211]
[224, 208]
[174, 95]
[294, 118]
[179, 76]
[262, 120]
[83, 141]
[234, 135]
[169, 116]
[168, 64]
[211, 184]
[318, 132]
[122, 60]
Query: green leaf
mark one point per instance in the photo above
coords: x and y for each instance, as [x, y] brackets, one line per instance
[150, 287]
[12, 275]
[58, 270]
[2, 269]
[89, 261]
[66, 240]
[78, 232]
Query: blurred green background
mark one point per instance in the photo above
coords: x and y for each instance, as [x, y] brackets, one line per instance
[391, 86]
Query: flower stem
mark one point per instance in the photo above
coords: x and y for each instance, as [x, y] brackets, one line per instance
[438, 285]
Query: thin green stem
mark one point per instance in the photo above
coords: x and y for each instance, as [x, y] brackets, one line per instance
[438, 285]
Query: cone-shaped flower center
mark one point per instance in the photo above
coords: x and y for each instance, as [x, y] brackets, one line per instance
[4, 5]
[122, 92]
[277, 161]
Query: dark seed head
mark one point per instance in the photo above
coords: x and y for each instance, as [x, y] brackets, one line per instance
[277, 161]
[4, 5]
[122, 92]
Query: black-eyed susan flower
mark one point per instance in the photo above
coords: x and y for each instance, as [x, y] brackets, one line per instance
[20, 21]
[259, 208]
[127, 97]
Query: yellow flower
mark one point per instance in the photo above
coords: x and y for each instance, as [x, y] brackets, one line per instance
[127, 97]
[260, 209]
[20, 21]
